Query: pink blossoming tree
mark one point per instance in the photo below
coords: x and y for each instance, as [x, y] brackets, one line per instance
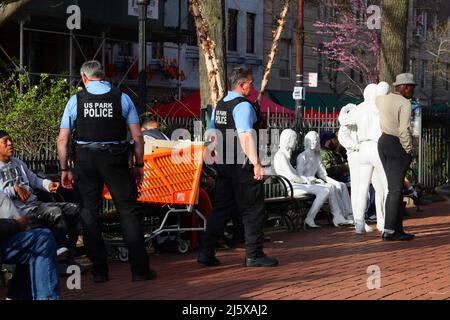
[348, 45]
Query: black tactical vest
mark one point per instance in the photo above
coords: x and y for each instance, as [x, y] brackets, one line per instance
[223, 121]
[99, 117]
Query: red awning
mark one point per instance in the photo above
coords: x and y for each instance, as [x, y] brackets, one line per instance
[189, 106]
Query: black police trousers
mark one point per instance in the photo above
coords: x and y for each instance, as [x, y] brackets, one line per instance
[236, 189]
[93, 168]
[395, 162]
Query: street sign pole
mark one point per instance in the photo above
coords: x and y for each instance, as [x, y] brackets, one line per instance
[299, 73]
[142, 6]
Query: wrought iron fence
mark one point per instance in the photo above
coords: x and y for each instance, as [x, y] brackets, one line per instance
[431, 170]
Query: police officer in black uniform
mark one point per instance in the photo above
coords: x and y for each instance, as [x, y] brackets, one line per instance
[102, 117]
[239, 184]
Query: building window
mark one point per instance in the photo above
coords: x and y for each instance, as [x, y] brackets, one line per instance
[232, 29]
[251, 32]
[422, 73]
[361, 77]
[285, 61]
[352, 74]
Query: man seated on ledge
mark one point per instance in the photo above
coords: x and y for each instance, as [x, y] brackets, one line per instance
[17, 182]
[34, 254]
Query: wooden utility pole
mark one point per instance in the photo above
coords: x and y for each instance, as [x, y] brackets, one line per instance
[394, 22]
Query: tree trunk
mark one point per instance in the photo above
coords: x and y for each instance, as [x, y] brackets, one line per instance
[213, 13]
[394, 21]
[8, 8]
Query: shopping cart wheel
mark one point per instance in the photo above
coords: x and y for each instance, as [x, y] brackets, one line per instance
[122, 254]
[183, 246]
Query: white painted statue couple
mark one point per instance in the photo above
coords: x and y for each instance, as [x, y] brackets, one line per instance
[311, 177]
[359, 133]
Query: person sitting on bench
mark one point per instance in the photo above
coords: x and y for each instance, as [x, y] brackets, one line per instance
[34, 254]
[18, 183]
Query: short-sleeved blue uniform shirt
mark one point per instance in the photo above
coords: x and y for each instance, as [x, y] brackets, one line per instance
[129, 111]
[244, 115]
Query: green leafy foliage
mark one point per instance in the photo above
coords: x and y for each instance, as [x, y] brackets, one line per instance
[33, 117]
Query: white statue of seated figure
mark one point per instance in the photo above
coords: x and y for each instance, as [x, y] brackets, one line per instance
[368, 167]
[282, 166]
[311, 170]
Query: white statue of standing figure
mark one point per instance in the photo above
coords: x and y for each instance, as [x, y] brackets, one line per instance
[282, 166]
[311, 169]
[367, 164]
[348, 138]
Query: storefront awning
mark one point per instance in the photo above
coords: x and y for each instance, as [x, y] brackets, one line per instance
[314, 101]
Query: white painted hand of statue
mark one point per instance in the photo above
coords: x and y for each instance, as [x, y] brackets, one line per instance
[298, 180]
[347, 108]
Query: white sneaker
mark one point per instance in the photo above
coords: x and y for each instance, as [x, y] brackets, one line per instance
[367, 228]
[310, 223]
[360, 228]
[62, 253]
[339, 220]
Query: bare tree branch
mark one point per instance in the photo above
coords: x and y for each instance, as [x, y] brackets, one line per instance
[9, 7]
[276, 37]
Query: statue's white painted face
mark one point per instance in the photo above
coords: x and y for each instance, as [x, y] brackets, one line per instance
[312, 141]
[288, 139]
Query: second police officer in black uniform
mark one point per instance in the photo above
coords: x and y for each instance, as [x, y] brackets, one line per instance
[239, 184]
[102, 116]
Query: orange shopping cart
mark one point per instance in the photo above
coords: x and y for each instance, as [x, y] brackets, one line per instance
[171, 180]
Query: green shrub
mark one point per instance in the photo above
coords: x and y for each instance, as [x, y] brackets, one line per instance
[33, 118]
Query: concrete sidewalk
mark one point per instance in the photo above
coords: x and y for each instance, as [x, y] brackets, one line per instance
[330, 263]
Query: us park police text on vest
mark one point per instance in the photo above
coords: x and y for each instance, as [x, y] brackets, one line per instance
[98, 110]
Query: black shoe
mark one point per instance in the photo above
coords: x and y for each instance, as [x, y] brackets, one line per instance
[222, 246]
[261, 262]
[395, 237]
[409, 235]
[208, 261]
[101, 278]
[150, 275]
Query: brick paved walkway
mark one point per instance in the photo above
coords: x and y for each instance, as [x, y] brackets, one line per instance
[330, 263]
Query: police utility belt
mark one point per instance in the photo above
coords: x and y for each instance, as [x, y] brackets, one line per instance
[113, 148]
